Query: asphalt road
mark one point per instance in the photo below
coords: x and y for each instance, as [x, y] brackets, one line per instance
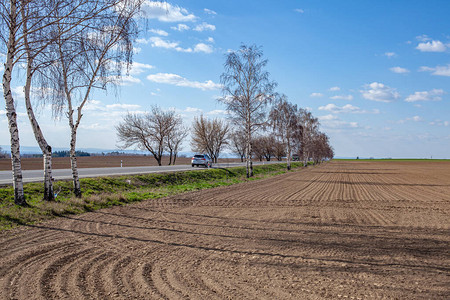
[64, 174]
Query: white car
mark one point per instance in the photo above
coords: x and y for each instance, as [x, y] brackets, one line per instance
[201, 160]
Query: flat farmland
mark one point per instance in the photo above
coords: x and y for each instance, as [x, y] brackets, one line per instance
[345, 229]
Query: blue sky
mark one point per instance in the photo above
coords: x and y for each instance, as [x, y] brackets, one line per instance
[376, 73]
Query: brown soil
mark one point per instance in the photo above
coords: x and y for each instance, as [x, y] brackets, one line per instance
[97, 162]
[351, 230]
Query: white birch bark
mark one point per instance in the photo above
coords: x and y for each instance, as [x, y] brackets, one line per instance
[73, 158]
[19, 197]
[249, 164]
[45, 147]
[39, 136]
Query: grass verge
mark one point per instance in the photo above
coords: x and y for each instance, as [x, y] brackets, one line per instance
[104, 192]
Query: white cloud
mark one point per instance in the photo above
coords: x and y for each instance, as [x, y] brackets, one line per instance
[204, 26]
[335, 89]
[433, 46]
[438, 70]
[111, 111]
[209, 11]
[94, 105]
[331, 122]
[165, 12]
[390, 54]
[217, 112]
[160, 43]
[342, 97]
[137, 68]
[413, 119]
[348, 108]
[327, 117]
[159, 32]
[177, 80]
[299, 10]
[423, 38]
[193, 109]
[123, 106]
[440, 123]
[379, 92]
[433, 95]
[142, 41]
[201, 47]
[127, 80]
[210, 40]
[180, 27]
[317, 95]
[399, 70]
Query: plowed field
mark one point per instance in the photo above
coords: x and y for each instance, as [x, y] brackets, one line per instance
[351, 230]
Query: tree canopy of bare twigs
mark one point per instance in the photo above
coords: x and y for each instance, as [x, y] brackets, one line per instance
[90, 57]
[237, 143]
[210, 136]
[309, 126]
[152, 132]
[27, 28]
[176, 134]
[247, 90]
[284, 120]
[264, 147]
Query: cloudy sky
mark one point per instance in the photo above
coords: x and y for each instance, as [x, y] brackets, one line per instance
[376, 73]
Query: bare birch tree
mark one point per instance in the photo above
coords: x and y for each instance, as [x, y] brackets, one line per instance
[284, 120]
[210, 136]
[91, 58]
[265, 147]
[36, 43]
[18, 20]
[237, 143]
[309, 127]
[11, 34]
[246, 92]
[175, 135]
[148, 131]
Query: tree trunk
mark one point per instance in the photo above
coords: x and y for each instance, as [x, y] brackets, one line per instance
[73, 164]
[48, 180]
[249, 165]
[288, 157]
[170, 157]
[19, 197]
[45, 148]
[174, 157]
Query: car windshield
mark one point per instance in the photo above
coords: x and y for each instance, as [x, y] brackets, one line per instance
[199, 156]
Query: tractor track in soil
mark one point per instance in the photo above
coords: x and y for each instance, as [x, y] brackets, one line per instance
[351, 230]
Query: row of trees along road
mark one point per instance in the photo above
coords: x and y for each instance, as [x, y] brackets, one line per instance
[247, 93]
[67, 48]
[255, 129]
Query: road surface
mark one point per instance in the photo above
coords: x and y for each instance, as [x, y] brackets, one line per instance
[63, 174]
